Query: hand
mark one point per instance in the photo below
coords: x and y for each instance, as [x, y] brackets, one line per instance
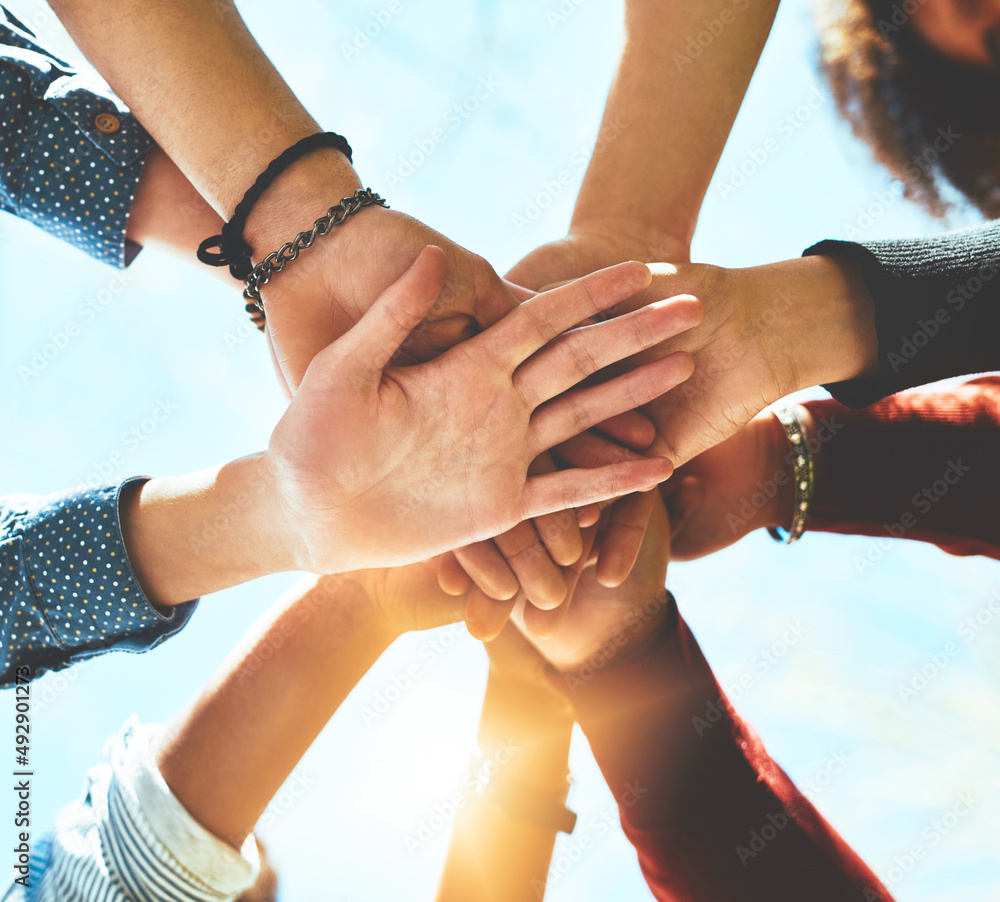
[533, 556]
[362, 456]
[744, 483]
[407, 598]
[328, 289]
[602, 625]
[768, 331]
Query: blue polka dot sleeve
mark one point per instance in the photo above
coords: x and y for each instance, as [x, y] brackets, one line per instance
[67, 591]
[70, 152]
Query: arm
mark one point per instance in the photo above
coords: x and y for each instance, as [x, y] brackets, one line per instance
[247, 118]
[174, 808]
[503, 838]
[693, 781]
[917, 465]
[666, 121]
[323, 499]
[936, 308]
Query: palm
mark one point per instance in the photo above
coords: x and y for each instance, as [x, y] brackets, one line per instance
[366, 451]
[409, 598]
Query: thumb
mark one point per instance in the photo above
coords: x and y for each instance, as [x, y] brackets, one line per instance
[370, 345]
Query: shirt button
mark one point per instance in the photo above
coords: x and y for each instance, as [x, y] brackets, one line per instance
[107, 124]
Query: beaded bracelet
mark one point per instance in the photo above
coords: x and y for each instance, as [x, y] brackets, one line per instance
[802, 473]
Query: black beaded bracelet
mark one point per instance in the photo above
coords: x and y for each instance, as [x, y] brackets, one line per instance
[230, 247]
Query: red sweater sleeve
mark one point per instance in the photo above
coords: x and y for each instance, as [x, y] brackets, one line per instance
[711, 815]
[922, 464]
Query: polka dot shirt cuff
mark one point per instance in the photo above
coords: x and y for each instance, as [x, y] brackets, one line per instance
[72, 153]
[71, 591]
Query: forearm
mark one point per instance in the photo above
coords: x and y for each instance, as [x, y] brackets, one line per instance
[497, 854]
[190, 535]
[192, 73]
[269, 700]
[668, 116]
[170, 215]
[936, 308]
[694, 784]
[939, 444]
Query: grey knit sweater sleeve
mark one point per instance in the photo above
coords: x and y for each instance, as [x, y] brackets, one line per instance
[937, 308]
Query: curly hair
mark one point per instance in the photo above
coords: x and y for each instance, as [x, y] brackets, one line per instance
[932, 122]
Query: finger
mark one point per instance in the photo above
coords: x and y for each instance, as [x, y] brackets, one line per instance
[537, 321]
[488, 569]
[542, 623]
[588, 515]
[633, 429]
[485, 617]
[623, 537]
[581, 352]
[378, 335]
[591, 449]
[560, 531]
[451, 577]
[578, 410]
[540, 578]
[519, 291]
[576, 487]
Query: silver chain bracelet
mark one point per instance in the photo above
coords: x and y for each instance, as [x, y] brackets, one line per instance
[802, 473]
[277, 261]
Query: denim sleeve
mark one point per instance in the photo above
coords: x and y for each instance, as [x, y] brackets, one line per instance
[70, 152]
[67, 590]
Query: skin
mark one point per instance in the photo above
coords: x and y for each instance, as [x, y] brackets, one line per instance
[966, 31]
[450, 441]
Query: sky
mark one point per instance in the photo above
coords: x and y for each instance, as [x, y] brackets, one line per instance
[493, 100]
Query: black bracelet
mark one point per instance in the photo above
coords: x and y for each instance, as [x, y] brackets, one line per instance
[233, 250]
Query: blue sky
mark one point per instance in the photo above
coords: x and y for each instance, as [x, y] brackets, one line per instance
[817, 646]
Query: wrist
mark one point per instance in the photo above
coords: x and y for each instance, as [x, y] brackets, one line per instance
[298, 197]
[190, 535]
[827, 319]
[632, 238]
[781, 512]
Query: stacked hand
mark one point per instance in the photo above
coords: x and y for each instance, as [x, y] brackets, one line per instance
[364, 452]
